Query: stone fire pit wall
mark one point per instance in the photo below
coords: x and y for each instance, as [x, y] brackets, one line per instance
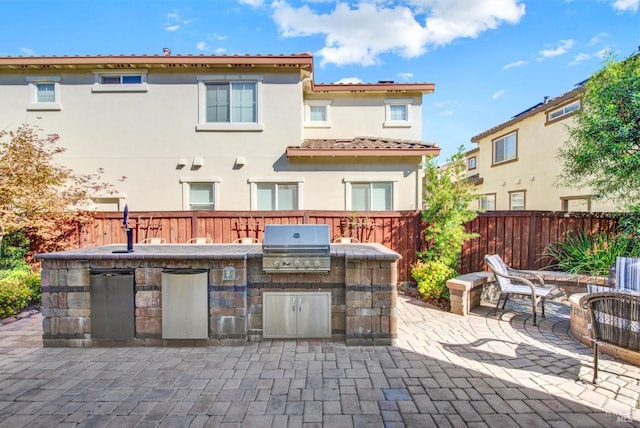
[362, 282]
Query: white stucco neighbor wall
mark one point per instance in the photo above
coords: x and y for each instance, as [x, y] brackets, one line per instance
[144, 136]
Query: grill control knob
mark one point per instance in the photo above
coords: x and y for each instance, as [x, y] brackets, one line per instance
[306, 263]
[276, 264]
[316, 263]
[296, 263]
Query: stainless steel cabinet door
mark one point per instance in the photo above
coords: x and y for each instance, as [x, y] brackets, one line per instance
[296, 315]
[279, 315]
[314, 315]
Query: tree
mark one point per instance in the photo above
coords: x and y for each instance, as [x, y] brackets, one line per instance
[448, 196]
[603, 150]
[37, 196]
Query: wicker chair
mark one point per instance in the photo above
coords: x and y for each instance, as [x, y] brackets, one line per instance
[615, 320]
[512, 281]
[153, 241]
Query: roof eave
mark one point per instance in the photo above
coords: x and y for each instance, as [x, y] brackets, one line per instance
[301, 152]
[424, 88]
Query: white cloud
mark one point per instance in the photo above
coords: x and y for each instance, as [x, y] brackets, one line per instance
[216, 36]
[202, 46]
[602, 53]
[220, 51]
[252, 3]
[175, 21]
[446, 113]
[405, 76]
[347, 80]
[626, 5]
[361, 33]
[514, 64]
[581, 57]
[562, 48]
[498, 94]
[598, 38]
[27, 51]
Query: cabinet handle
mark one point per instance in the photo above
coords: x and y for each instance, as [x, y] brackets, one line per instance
[293, 305]
[300, 304]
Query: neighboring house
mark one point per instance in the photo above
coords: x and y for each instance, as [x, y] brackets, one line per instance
[224, 132]
[515, 165]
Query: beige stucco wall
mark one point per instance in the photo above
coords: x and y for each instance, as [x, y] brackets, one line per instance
[142, 135]
[535, 170]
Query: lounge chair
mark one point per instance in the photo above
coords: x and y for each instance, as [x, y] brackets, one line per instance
[247, 240]
[200, 241]
[512, 281]
[615, 320]
[346, 240]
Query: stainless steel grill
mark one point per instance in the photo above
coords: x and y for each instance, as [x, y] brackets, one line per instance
[296, 248]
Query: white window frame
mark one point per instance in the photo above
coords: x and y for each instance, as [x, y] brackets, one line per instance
[350, 181]
[253, 188]
[524, 200]
[308, 123]
[388, 122]
[563, 111]
[504, 139]
[33, 103]
[482, 201]
[98, 86]
[472, 162]
[187, 181]
[203, 125]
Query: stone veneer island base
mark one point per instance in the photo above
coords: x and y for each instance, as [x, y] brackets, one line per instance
[361, 282]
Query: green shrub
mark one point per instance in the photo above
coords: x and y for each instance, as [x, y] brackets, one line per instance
[592, 254]
[431, 277]
[14, 296]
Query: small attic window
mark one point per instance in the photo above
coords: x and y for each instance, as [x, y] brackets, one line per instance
[563, 111]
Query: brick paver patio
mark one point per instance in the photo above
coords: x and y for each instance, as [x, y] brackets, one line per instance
[479, 371]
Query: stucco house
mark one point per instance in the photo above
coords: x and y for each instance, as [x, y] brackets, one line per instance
[515, 165]
[224, 132]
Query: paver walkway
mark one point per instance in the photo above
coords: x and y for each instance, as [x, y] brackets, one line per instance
[479, 371]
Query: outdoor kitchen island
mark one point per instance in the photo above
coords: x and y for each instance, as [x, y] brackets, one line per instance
[214, 294]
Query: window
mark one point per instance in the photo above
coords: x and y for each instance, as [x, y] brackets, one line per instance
[471, 163]
[487, 202]
[372, 196]
[517, 200]
[397, 112]
[118, 81]
[317, 113]
[276, 194]
[44, 93]
[229, 103]
[200, 194]
[505, 148]
[563, 111]
[576, 203]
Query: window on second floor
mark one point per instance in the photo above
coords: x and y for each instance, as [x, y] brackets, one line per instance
[397, 112]
[487, 202]
[471, 162]
[563, 111]
[505, 148]
[276, 194]
[229, 103]
[44, 93]
[317, 113]
[517, 200]
[120, 81]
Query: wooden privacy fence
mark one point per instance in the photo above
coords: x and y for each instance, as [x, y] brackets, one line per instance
[400, 231]
[520, 237]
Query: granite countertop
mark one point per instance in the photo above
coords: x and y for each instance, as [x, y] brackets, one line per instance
[371, 251]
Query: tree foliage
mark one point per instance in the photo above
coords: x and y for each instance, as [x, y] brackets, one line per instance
[448, 196]
[603, 151]
[37, 195]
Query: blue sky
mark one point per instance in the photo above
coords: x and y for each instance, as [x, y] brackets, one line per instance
[489, 59]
